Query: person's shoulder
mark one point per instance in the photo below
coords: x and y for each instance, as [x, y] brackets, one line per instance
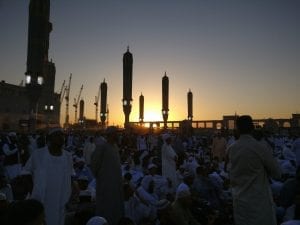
[67, 153]
[291, 222]
[39, 151]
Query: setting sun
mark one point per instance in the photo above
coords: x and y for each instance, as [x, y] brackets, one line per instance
[151, 115]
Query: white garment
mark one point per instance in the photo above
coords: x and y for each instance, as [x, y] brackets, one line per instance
[88, 149]
[168, 162]
[51, 182]
[136, 210]
[141, 144]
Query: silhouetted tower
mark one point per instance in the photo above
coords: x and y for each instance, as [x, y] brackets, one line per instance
[81, 111]
[141, 101]
[190, 105]
[103, 109]
[127, 85]
[38, 37]
[165, 99]
[40, 73]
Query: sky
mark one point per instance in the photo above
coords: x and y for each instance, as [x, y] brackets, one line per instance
[236, 56]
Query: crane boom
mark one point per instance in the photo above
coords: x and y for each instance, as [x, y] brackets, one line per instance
[67, 90]
[76, 101]
[62, 92]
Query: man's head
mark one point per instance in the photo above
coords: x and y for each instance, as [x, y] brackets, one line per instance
[152, 168]
[111, 134]
[183, 195]
[55, 137]
[244, 124]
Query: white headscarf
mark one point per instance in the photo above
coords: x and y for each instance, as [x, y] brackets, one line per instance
[182, 191]
[97, 220]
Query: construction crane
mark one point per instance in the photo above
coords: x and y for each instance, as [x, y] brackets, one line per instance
[67, 97]
[62, 92]
[76, 101]
[96, 103]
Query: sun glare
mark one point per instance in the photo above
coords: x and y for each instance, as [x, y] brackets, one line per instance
[152, 116]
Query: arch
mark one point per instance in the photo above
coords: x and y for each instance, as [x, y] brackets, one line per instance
[219, 126]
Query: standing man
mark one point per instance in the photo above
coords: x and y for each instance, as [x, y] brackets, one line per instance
[168, 160]
[106, 167]
[88, 150]
[219, 146]
[52, 168]
[12, 163]
[252, 164]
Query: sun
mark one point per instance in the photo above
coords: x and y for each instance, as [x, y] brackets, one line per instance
[151, 115]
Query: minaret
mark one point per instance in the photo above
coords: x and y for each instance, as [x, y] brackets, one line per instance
[40, 73]
[103, 109]
[165, 99]
[127, 85]
[141, 108]
[190, 105]
[39, 29]
[81, 111]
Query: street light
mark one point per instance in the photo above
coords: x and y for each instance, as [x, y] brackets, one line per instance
[48, 108]
[34, 85]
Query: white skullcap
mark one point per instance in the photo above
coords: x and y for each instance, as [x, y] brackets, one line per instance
[152, 165]
[182, 191]
[96, 220]
[12, 134]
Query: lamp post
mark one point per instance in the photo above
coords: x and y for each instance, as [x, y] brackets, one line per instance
[48, 108]
[34, 85]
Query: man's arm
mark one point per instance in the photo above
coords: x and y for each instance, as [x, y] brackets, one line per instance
[270, 163]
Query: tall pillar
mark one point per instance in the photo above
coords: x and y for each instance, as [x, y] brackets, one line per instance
[190, 105]
[103, 106]
[141, 101]
[81, 111]
[39, 29]
[127, 85]
[165, 99]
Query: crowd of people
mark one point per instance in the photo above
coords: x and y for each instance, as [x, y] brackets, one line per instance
[124, 178]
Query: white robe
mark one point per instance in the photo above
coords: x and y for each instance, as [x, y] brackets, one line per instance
[51, 182]
[168, 162]
[251, 166]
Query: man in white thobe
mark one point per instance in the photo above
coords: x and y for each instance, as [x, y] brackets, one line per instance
[252, 164]
[168, 160]
[52, 168]
[88, 150]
